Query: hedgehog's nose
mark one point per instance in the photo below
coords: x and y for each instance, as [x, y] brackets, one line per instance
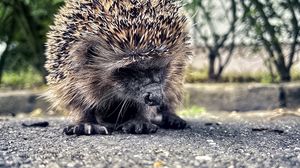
[153, 99]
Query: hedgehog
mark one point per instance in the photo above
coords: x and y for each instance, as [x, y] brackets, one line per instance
[118, 65]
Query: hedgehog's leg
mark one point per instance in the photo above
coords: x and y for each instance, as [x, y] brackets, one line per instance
[139, 124]
[169, 119]
[88, 124]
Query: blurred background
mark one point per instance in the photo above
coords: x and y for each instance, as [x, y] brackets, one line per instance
[246, 54]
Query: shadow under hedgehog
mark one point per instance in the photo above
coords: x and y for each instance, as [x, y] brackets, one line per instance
[117, 64]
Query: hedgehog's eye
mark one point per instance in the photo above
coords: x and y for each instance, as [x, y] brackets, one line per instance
[159, 74]
[130, 70]
[126, 72]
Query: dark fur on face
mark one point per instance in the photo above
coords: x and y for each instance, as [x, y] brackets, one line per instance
[142, 81]
[117, 72]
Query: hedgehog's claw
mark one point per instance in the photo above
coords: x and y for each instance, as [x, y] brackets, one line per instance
[172, 121]
[87, 129]
[138, 127]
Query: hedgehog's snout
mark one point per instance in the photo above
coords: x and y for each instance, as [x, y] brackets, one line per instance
[153, 95]
[153, 99]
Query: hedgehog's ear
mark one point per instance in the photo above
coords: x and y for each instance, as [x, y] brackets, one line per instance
[95, 52]
[80, 55]
[91, 51]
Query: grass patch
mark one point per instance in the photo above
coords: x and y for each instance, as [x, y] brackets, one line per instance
[295, 75]
[260, 77]
[192, 111]
[22, 80]
[196, 76]
[201, 76]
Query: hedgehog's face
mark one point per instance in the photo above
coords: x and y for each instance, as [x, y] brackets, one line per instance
[142, 82]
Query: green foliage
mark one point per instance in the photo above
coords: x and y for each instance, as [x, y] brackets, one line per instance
[191, 111]
[24, 24]
[28, 78]
[276, 26]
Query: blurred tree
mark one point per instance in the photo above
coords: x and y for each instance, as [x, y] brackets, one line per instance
[275, 24]
[214, 24]
[24, 24]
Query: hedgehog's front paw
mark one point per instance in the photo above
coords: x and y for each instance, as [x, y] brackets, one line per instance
[87, 129]
[172, 121]
[138, 127]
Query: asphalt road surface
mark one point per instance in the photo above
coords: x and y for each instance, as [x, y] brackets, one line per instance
[213, 141]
